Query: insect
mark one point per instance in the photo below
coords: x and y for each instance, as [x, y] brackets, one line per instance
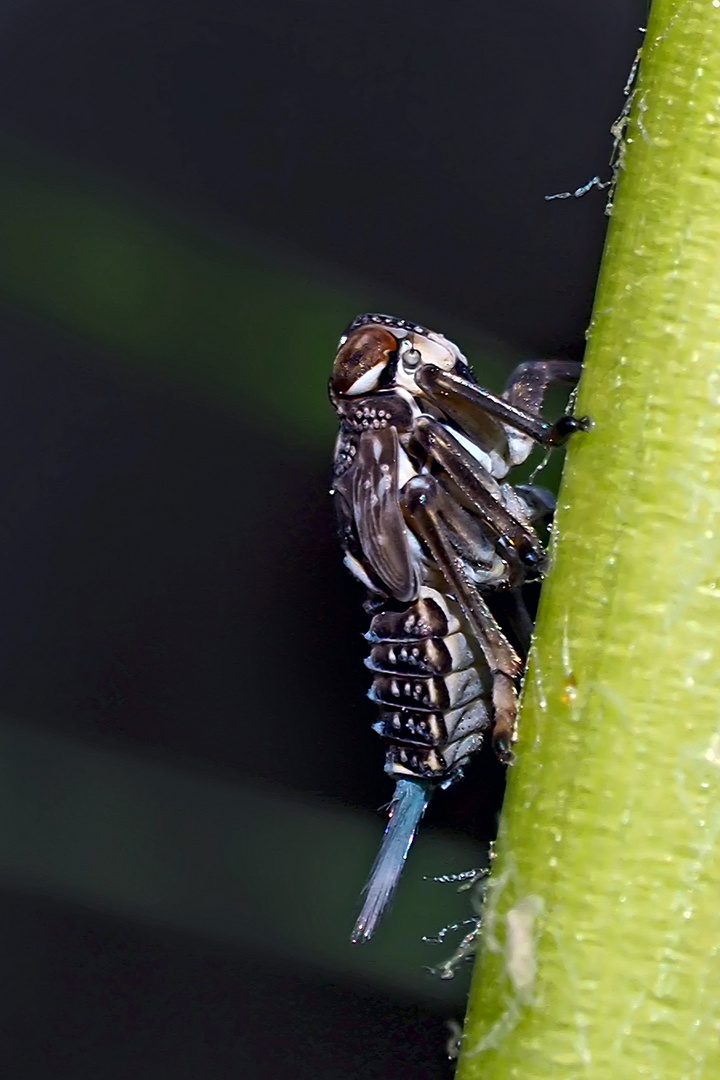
[443, 545]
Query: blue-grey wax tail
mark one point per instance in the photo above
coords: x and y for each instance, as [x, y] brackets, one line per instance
[406, 809]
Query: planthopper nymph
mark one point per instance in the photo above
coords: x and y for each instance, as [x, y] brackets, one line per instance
[443, 544]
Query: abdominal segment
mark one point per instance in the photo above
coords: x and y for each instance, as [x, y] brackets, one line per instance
[432, 689]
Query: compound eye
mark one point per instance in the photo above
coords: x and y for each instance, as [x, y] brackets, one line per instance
[411, 359]
[361, 360]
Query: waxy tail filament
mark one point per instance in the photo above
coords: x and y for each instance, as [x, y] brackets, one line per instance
[406, 810]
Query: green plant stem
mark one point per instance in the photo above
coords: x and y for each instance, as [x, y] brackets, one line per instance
[600, 952]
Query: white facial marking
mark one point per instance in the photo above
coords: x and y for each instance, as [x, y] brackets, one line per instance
[368, 381]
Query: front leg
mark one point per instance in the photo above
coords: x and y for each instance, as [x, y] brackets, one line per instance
[530, 381]
[526, 389]
[460, 399]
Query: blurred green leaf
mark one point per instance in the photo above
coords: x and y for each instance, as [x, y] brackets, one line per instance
[233, 320]
[256, 868]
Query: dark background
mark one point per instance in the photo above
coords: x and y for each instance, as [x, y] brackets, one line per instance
[196, 198]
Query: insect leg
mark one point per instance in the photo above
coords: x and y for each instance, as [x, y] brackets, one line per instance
[425, 505]
[530, 381]
[459, 398]
[479, 491]
[505, 708]
[539, 501]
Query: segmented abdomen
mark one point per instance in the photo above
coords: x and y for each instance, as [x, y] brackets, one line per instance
[432, 688]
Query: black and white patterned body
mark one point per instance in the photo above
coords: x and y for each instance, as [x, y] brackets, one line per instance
[442, 543]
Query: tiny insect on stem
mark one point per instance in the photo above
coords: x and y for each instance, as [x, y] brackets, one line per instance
[437, 536]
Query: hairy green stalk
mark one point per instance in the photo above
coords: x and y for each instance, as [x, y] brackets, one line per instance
[602, 925]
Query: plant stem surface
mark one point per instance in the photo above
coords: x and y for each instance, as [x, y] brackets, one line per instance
[602, 921]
